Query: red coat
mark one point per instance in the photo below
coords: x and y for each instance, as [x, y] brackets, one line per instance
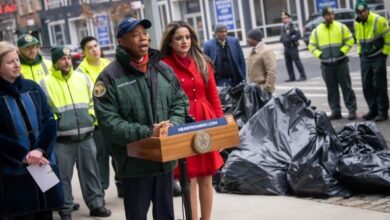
[204, 105]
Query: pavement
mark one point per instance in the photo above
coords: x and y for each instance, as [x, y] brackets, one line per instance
[255, 207]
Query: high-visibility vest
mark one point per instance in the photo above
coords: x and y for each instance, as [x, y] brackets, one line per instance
[92, 71]
[331, 43]
[37, 71]
[373, 36]
[70, 98]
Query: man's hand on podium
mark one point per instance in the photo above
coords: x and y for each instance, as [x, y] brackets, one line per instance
[157, 127]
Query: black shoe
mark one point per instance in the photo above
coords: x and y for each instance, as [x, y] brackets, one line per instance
[76, 206]
[290, 80]
[302, 79]
[335, 116]
[369, 116]
[352, 116]
[176, 189]
[100, 212]
[380, 118]
[66, 217]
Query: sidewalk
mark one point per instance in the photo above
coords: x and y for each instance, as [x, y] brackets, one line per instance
[244, 207]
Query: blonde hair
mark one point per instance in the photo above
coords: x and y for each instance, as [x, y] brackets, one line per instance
[6, 47]
[201, 60]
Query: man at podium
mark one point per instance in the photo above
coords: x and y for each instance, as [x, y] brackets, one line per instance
[135, 96]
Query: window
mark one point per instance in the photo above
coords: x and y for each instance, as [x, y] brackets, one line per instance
[57, 34]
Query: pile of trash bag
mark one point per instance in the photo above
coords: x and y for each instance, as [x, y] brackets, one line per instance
[289, 147]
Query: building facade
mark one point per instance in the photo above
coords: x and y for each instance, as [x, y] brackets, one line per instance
[66, 22]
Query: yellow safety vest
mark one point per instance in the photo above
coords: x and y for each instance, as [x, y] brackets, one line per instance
[331, 44]
[373, 36]
[36, 72]
[92, 71]
[70, 98]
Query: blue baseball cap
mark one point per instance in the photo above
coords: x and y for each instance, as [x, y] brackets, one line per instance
[129, 23]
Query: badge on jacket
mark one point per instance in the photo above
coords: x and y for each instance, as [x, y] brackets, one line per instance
[100, 89]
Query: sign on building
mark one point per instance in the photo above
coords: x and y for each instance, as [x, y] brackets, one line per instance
[322, 3]
[224, 13]
[102, 30]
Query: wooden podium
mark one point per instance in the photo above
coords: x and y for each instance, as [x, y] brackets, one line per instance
[178, 142]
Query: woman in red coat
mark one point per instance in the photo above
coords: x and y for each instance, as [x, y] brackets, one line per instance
[181, 50]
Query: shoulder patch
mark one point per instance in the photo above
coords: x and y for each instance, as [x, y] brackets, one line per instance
[100, 89]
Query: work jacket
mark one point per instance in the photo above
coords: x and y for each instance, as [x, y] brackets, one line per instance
[70, 98]
[331, 43]
[373, 36]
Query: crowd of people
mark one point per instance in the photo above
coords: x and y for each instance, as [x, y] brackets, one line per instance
[54, 114]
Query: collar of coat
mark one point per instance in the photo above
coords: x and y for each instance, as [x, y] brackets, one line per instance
[58, 74]
[11, 88]
[258, 47]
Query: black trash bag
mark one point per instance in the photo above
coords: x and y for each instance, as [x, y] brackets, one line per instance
[268, 142]
[243, 101]
[314, 169]
[229, 96]
[367, 173]
[252, 100]
[365, 165]
[360, 138]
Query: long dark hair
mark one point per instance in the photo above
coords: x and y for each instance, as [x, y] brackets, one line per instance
[201, 60]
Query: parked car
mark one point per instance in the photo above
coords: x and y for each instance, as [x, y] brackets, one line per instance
[345, 16]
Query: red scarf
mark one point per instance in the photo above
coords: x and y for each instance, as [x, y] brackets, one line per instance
[141, 65]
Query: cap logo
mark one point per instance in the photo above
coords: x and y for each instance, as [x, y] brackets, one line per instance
[28, 38]
[361, 7]
[131, 19]
[66, 51]
[330, 10]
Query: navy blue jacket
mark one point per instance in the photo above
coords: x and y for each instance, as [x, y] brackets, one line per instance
[237, 56]
[26, 123]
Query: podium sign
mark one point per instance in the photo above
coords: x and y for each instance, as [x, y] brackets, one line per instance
[187, 140]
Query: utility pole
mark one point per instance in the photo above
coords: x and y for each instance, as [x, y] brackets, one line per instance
[152, 14]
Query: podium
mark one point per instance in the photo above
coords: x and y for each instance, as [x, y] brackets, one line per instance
[177, 142]
[180, 142]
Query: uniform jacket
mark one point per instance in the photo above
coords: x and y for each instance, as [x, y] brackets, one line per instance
[372, 36]
[92, 71]
[290, 35]
[331, 44]
[125, 112]
[26, 123]
[70, 98]
[210, 48]
[37, 70]
[262, 67]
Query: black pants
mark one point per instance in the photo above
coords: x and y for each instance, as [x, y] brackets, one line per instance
[139, 191]
[291, 55]
[43, 215]
[335, 75]
[374, 82]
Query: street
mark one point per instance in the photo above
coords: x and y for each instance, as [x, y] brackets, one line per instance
[248, 207]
